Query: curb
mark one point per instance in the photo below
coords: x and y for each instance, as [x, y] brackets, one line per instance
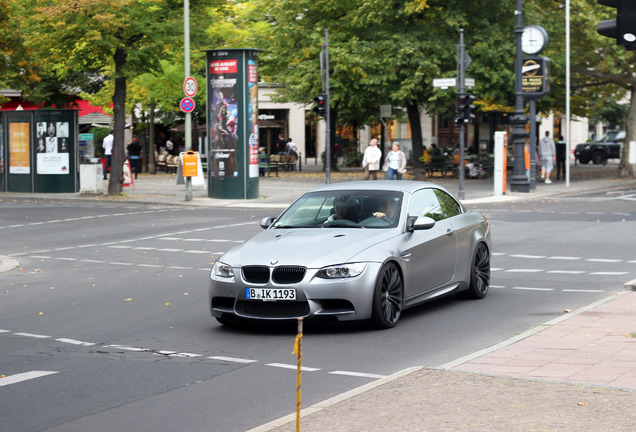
[334, 400]
[527, 334]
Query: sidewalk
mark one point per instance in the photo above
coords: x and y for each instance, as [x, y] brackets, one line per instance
[575, 373]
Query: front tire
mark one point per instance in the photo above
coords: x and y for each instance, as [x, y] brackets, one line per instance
[479, 273]
[598, 158]
[387, 297]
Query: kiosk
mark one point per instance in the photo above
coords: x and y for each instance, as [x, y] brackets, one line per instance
[232, 123]
[39, 151]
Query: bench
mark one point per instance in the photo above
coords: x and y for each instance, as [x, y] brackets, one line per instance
[265, 165]
[441, 164]
[285, 161]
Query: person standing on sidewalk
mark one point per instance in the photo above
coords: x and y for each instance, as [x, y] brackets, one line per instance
[134, 155]
[107, 145]
[371, 160]
[548, 154]
[395, 162]
[560, 158]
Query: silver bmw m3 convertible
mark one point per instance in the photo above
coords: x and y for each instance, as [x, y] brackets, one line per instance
[355, 251]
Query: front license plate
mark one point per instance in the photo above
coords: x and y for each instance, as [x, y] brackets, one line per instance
[268, 294]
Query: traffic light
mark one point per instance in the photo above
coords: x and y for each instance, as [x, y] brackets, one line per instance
[623, 28]
[321, 105]
[465, 108]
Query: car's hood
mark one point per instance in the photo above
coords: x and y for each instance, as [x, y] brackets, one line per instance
[309, 247]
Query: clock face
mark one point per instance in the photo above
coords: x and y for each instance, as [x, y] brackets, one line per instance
[533, 40]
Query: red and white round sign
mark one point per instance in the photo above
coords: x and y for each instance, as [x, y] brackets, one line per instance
[190, 87]
[187, 105]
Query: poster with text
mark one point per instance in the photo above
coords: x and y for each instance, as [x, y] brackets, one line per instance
[252, 118]
[19, 149]
[52, 147]
[224, 120]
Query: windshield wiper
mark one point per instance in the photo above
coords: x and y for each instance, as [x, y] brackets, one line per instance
[340, 225]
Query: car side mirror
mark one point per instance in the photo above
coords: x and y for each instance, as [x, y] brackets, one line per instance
[267, 222]
[421, 223]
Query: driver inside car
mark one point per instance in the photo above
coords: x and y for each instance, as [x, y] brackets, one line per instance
[386, 208]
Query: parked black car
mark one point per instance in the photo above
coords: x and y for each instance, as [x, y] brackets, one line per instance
[609, 147]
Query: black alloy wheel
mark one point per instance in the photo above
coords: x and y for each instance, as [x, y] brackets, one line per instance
[388, 296]
[480, 273]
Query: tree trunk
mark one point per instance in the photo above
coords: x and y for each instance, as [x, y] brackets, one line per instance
[625, 169]
[413, 113]
[152, 146]
[115, 184]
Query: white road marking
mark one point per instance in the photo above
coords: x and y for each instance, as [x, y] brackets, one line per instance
[568, 258]
[609, 273]
[126, 347]
[603, 260]
[75, 342]
[524, 271]
[232, 359]
[292, 366]
[566, 271]
[13, 379]
[358, 374]
[528, 256]
[583, 291]
[31, 335]
[532, 289]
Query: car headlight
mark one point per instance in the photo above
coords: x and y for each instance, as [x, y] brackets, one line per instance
[341, 271]
[222, 270]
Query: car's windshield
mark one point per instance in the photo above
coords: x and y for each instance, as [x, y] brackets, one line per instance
[343, 208]
[613, 136]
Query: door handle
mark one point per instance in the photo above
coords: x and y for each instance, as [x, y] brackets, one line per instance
[449, 232]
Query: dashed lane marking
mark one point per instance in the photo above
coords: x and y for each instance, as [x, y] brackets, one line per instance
[358, 374]
[292, 366]
[26, 376]
[232, 359]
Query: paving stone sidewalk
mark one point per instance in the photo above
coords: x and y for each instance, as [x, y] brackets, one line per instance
[574, 374]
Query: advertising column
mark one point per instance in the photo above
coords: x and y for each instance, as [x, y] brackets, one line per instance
[232, 123]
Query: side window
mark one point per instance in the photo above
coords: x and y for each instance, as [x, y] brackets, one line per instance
[448, 205]
[424, 202]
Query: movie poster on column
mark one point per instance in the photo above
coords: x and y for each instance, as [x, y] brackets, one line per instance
[224, 118]
[252, 119]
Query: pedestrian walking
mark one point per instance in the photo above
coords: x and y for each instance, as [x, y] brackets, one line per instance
[395, 162]
[560, 158]
[371, 160]
[547, 151]
[107, 145]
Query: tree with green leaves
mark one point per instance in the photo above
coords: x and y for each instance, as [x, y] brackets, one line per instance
[603, 73]
[381, 53]
[115, 40]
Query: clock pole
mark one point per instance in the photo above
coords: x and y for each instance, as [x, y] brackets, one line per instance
[519, 182]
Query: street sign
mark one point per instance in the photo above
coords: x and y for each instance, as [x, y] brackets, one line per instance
[190, 87]
[187, 105]
[452, 82]
[444, 82]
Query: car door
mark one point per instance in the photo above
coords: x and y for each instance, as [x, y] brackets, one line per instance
[432, 252]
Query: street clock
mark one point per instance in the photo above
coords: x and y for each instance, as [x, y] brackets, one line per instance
[534, 39]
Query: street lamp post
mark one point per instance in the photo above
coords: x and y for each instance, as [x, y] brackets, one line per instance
[519, 182]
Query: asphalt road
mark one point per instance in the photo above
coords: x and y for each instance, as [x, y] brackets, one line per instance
[105, 326]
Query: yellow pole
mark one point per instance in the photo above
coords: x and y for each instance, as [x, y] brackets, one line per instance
[299, 359]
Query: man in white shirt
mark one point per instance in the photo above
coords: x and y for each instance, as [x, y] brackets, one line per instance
[107, 145]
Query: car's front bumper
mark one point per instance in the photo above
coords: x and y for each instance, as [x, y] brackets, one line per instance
[344, 298]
